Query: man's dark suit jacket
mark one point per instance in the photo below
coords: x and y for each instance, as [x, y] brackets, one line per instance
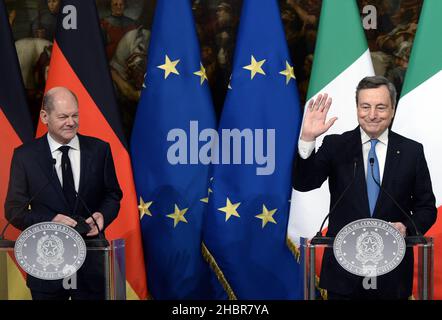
[32, 172]
[406, 178]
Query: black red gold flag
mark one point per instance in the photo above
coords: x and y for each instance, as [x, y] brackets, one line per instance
[78, 62]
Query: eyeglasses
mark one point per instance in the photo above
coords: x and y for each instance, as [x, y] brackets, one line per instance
[378, 108]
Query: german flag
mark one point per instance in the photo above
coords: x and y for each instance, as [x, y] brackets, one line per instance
[15, 128]
[79, 63]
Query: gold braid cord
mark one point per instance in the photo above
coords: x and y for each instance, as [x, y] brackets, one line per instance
[294, 249]
[219, 274]
[323, 292]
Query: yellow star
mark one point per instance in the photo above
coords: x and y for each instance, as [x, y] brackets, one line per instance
[201, 73]
[206, 200]
[178, 215]
[143, 207]
[255, 67]
[230, 209]
[289, 73]
[266, 216]
[169, 67]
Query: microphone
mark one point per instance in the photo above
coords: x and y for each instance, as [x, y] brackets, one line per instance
[418, 238]
[2, 234]
[319, 238]
[102, 241]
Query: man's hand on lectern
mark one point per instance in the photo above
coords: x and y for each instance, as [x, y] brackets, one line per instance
[64, 219]
[100, 221]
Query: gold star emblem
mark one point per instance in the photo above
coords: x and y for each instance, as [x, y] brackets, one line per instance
[289, 73]
[266, 216]
[169, 67]
[178, 215]
[255, 67]
[143, 207]
[202, 74]
[230, 209]
[206, 200]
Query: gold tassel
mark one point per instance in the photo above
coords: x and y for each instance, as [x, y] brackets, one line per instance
[219, 274]
[323, 292]
[294, 249]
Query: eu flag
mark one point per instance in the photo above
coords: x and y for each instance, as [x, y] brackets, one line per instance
[245, 238]
[171, 182]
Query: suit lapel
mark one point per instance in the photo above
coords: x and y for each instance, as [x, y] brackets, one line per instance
[85, 162]
[391, 163]
[45, 161]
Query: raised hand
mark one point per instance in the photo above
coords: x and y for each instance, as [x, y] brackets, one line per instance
[314, 120]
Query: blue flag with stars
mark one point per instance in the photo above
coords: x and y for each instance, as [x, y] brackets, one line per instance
[245, 232]
[171, 184]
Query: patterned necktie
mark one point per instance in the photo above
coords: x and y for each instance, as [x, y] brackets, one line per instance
[68, 177]
[372, 187]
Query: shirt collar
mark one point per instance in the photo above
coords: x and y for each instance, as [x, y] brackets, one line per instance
[54, 145]
[382, 138]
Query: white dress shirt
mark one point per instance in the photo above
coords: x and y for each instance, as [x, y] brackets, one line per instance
[305, 149]
[74, 156]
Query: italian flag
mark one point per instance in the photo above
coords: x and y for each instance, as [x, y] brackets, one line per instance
[419, 111]
[341, 60]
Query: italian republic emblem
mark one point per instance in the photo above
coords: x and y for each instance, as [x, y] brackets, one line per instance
[50, 251]
[369, 247]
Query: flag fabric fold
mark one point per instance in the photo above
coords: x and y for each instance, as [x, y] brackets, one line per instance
[78, 62]
[15, 128]
[419, 112]
[171, 181]
[245, 229]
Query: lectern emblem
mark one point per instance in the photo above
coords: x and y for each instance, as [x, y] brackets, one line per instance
[50, 251]
[369, 247]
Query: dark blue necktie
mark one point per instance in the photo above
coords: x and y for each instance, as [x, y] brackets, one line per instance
[372, 187]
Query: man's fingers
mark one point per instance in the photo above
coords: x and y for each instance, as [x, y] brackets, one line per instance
[321, 103]
[69, 221]
[400, 226]
[317, 102]
[92, 224]
[310, 105]
[327, 105]
[93, 232]
[330, 122]
[61, 218]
